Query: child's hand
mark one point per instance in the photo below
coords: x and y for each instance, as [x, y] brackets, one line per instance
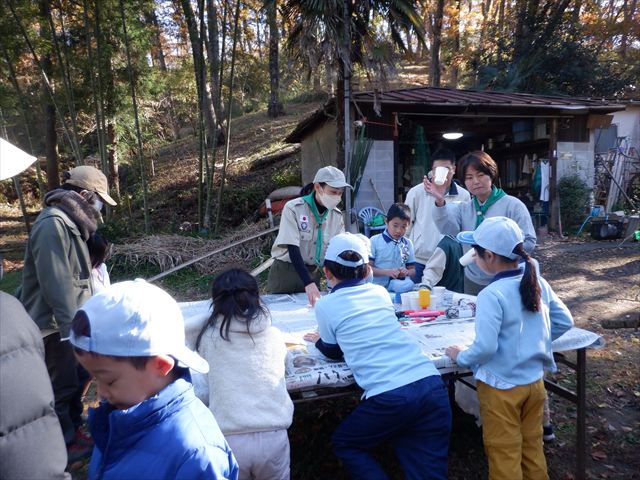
[394, 272]
[404, 272]
[312, 337]
[313, 294]
[453, 351]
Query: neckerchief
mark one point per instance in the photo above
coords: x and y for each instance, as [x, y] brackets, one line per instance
[496, 194]
[310, 200]
[401, 244]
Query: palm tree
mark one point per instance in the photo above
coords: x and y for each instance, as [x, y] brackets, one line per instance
[369, 39]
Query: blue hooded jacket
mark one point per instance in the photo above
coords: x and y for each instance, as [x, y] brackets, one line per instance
[171, 435]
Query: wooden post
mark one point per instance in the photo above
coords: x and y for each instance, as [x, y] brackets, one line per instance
[554, 218]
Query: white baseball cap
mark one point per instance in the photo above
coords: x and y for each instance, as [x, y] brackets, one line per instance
[136, 319]
[497, 234]
[343, 242]
[332, 176]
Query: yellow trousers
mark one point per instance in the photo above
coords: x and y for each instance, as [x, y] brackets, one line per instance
[512, 431]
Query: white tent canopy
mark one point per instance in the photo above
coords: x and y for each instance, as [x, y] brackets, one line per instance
[13, 160]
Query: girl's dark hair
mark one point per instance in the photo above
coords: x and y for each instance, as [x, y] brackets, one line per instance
[342, 272]
[235, 294]
[479, 160]
[98, 248]
[529, 286]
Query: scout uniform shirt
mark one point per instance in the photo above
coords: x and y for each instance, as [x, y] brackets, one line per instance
[299, 227]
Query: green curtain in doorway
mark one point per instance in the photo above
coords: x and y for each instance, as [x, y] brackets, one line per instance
[423, 154]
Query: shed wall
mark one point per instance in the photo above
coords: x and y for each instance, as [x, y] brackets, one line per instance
[319, 149]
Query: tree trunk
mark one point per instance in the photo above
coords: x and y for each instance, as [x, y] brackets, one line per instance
[157, 54]
[199, 65]
[275, 108]
[436, 42]
[213, 51]
[49, 109]
[455, 54]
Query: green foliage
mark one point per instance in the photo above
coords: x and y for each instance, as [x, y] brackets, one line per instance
[573, 193]
[11, 281]
[289, 175]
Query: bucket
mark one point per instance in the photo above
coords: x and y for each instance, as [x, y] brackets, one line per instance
[606, 229]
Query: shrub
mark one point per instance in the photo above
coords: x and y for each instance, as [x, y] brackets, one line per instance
[573, 194]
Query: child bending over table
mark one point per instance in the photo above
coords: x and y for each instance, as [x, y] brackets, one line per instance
[405, 402]
[517, 317]
[247, 390]
[392, 259]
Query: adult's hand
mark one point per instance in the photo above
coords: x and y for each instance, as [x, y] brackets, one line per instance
[453, 351]
[313, 294]
[437, 191]
[312, 337]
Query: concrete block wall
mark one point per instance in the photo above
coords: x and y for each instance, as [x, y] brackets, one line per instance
[380, 169]
[577, 158]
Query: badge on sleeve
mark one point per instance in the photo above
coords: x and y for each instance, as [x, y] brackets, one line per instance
[303, 223]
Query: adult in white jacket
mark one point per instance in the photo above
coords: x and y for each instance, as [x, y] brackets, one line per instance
[247, 389]
[423, 231]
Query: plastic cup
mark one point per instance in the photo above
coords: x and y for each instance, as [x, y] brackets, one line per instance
[468, 258]
[437, 291]
[440, 175]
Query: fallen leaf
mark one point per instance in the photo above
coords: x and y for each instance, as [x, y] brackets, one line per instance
[598, 455]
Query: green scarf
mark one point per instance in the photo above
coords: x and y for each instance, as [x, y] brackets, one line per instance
[496, 194]
[309, 199]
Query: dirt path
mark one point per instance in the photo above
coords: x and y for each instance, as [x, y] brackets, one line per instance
[599, 282]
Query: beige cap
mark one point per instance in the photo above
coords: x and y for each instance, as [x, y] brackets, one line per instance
[92, 179]
[332, 177]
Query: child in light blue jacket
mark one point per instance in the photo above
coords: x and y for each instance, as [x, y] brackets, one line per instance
[518, 316]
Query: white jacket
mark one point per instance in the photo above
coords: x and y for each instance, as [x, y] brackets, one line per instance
[423, 231]
[247, 389]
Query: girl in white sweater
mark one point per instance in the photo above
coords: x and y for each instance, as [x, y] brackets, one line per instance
[247, 390]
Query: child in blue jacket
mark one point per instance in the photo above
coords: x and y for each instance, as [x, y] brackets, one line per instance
[405, 402]
[150, 425]
[517, 317]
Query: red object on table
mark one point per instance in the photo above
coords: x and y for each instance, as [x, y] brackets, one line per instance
[423, 313]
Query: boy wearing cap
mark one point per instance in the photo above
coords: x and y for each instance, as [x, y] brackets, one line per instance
[405, 401]
[56, 281]
[150, 424]
[307, 225]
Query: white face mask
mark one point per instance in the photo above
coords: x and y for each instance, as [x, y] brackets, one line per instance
[329, 201]
[97, 205]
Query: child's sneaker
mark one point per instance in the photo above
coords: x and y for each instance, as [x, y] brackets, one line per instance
[547, 433]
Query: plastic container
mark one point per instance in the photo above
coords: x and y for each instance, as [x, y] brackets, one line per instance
[606, 229]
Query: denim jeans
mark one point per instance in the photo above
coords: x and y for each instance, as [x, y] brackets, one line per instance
[417, 277]
[414, 419]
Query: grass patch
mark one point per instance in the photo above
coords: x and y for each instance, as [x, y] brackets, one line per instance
[11, 281]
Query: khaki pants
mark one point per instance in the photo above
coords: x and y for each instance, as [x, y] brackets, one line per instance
[261, 455]
[283, 277]
[512, 431]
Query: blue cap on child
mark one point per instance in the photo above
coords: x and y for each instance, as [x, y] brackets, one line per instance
[137, 319]
[497, 234]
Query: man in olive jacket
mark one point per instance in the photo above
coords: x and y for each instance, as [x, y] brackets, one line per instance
[56, 280]
[31, 444]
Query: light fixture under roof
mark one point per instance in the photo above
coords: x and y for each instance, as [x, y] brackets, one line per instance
[452, 135]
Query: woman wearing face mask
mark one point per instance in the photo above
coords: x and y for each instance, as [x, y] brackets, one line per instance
[307, 225]
[479, 172]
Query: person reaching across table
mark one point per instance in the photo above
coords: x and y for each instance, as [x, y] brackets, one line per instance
[479, 171]
[517, 317]
[405, 402]
[247, 391]
[306, 226]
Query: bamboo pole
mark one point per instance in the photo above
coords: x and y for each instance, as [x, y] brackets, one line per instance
[217, 250]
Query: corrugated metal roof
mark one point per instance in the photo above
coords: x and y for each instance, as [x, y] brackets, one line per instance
[448, 96]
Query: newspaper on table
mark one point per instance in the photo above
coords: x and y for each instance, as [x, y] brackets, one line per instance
[308, 368]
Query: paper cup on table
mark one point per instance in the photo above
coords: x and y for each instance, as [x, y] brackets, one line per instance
[468, 258]
[440, 175]
[438, 291]
[437, 296]
[410, 301]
